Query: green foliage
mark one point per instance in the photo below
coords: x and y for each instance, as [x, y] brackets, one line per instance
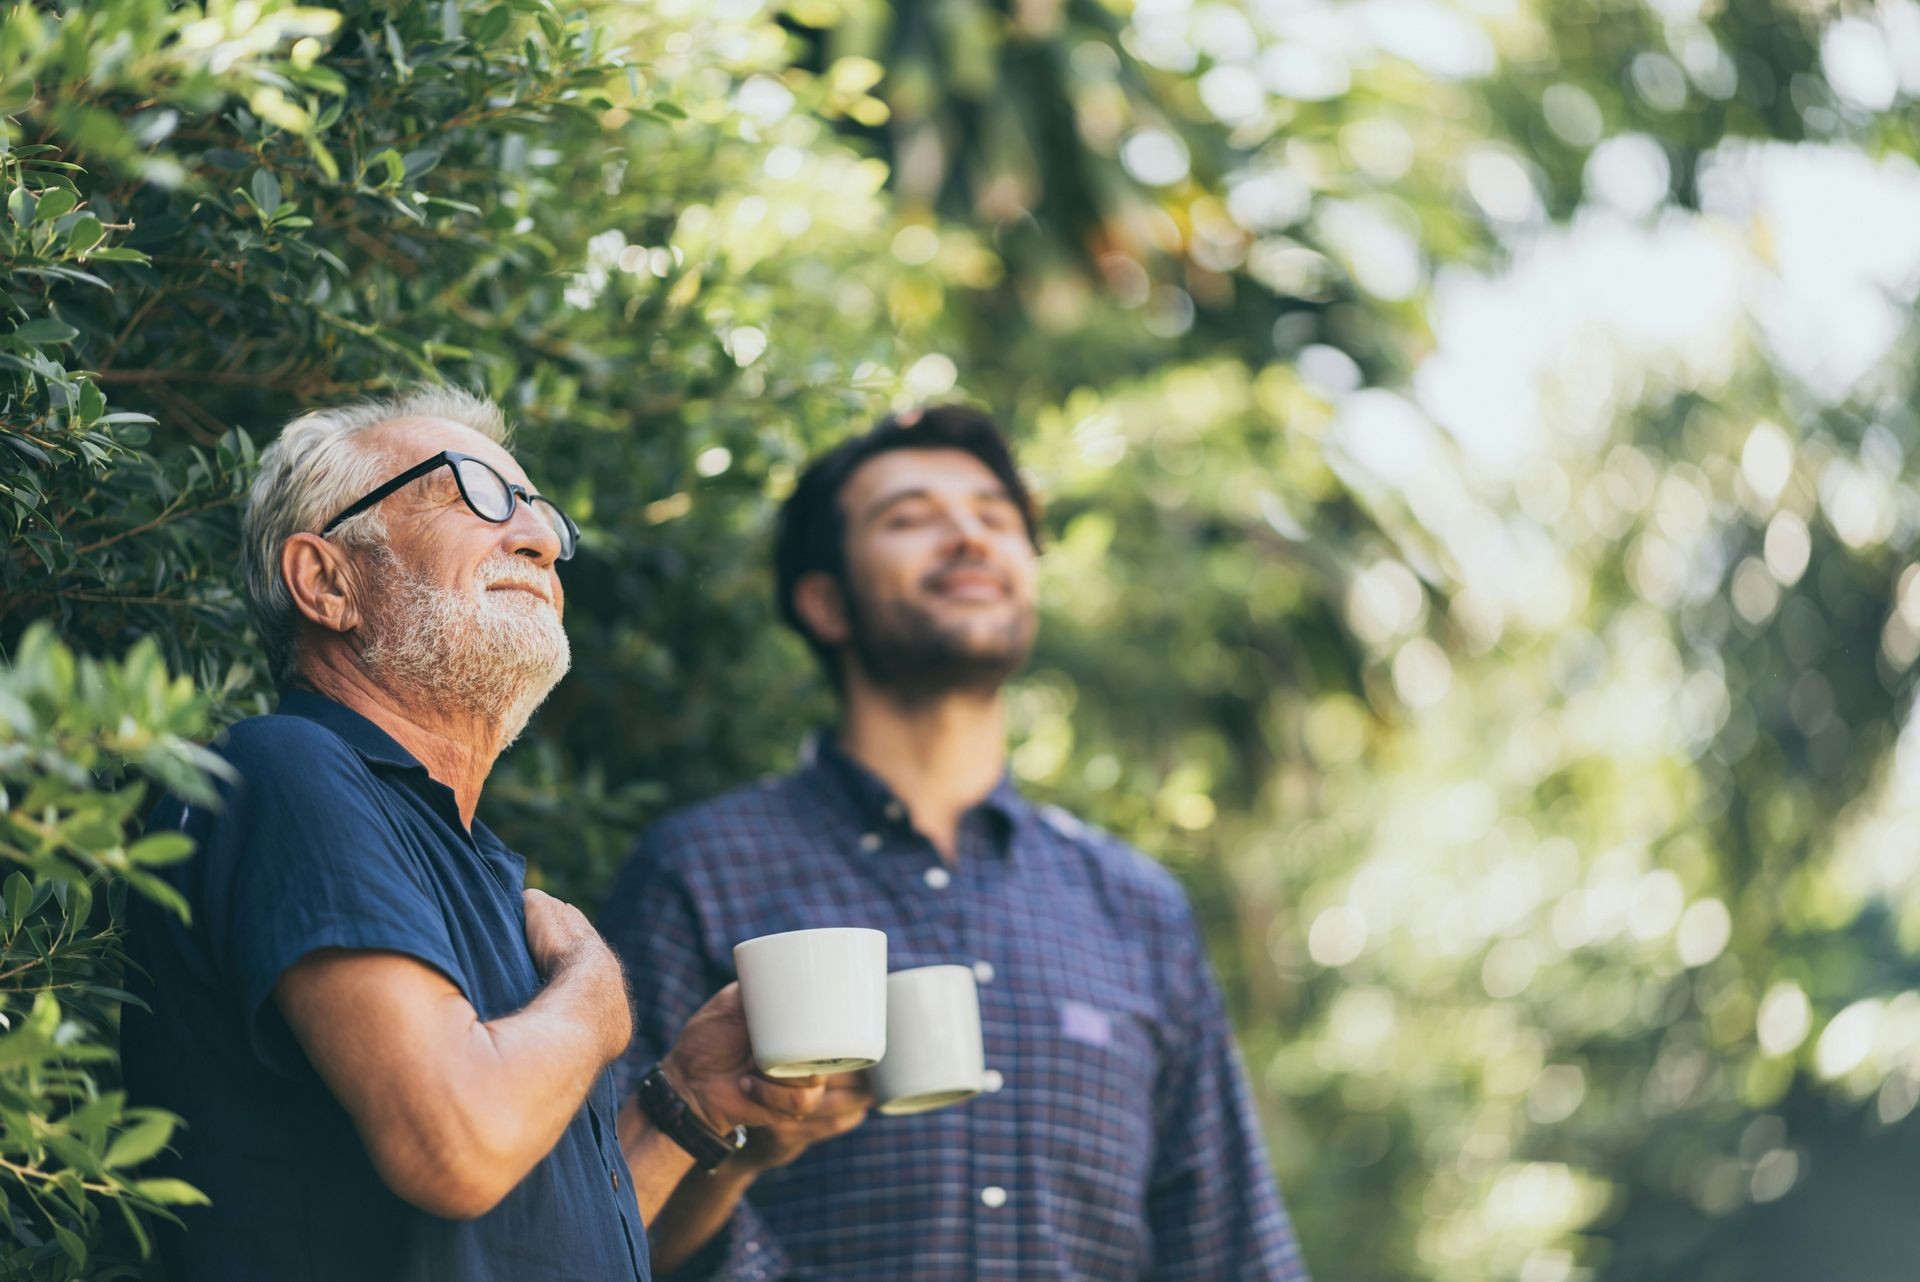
[79, 742]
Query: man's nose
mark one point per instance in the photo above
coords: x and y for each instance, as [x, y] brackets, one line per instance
[528, 534]
[965, 531]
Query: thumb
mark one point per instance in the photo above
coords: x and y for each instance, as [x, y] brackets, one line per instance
[727, 1002]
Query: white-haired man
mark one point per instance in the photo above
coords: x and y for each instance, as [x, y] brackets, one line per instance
[391, 1058]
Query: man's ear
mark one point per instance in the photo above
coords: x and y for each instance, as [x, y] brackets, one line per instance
[323, 582]
[821, 605]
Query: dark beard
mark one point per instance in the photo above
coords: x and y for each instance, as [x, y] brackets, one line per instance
[903, 651]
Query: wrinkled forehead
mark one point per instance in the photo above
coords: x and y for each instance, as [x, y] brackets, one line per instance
[406, 441]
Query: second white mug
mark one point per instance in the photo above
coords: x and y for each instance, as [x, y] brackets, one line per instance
[935, 1055]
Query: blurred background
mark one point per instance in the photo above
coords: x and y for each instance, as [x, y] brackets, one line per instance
[1474, 440]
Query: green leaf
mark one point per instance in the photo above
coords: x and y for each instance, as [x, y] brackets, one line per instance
[323, 158]
[160, 848]
[71, 1243]
[170, 1192]
[135, 1227]
[19, 895]
[46, 330]
[85, 234]
[266, 190]
[391, 161]
[397, 50]
[20, 206]
[492, 25]
[140, 1141]
[54, 203]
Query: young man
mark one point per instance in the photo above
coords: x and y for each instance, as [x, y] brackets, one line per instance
[390, 1057]
[1117, 1139]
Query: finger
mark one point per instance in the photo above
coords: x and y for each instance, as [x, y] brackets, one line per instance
[794, 1097]
[781, 1101]
[846, 1121]
[840, 1100]
[795, 1134]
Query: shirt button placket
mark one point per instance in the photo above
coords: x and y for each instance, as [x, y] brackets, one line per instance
[992, 1132]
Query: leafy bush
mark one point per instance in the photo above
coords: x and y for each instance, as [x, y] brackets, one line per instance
[80, 741]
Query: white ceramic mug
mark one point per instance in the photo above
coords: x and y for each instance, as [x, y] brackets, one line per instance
[816, 1000]
[935, 1055]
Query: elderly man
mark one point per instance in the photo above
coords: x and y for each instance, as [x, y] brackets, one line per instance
[390, 1057]
[1117, 1140]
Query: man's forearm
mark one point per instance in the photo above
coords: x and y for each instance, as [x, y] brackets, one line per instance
[531, 1070]
[681, 1207]
[693, 1213]
[454, 1110]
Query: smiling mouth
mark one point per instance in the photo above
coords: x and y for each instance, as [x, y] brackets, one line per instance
[972, 587]
[528, 588]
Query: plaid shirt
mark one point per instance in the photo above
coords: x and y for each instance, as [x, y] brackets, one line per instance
[1117, 1139]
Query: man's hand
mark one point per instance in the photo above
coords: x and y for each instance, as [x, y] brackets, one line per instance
[844, 1107]
[564, 942]
[712, 1068]
[558, 934]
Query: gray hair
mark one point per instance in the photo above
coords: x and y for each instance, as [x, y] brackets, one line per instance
[318, 466]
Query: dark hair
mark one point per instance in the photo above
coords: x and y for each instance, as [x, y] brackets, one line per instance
[812, 532]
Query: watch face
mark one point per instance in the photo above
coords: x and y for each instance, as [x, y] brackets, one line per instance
[739, 1138]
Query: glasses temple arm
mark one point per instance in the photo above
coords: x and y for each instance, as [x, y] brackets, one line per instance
[410, 475]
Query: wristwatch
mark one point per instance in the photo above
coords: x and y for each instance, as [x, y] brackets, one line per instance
[663, 1105]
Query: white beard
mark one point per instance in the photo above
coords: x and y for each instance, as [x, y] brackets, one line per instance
[493, 655]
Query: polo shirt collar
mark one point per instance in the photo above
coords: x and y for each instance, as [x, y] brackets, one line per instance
[376, 747]
[872, 798]
[362, 735]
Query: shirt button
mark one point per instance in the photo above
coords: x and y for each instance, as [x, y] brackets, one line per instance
[983, 971]
[894, 811]
[993, 1197]
[870, 841]
[615, 1177]
[938, 878]
[991, 1081]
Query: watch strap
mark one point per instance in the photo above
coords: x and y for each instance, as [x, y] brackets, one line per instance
[676, 1119]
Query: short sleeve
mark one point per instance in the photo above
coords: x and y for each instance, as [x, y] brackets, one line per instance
[303, 858]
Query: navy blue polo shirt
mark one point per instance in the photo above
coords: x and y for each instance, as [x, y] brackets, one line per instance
[334, 836]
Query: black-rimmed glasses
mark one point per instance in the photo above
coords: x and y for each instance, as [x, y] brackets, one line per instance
[488, 494]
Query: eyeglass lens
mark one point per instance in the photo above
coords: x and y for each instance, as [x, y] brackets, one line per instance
[490, 499]
[485, 490]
